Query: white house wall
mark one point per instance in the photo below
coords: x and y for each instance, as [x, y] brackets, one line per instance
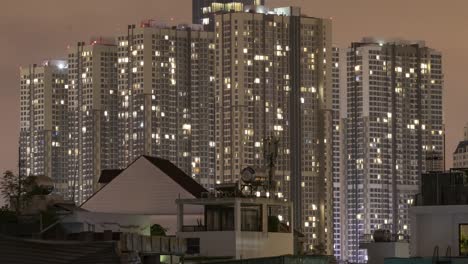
[141, 189]
[436, 226]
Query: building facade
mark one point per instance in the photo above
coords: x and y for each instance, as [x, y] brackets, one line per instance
[203, 11]
[43, 122]
[460, 156]
[442, 202]
[93, 102]
[166, 97]
[273, 80]
[339, 213]
[394, 122]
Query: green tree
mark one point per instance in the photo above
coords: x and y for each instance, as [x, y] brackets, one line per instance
[157, 230]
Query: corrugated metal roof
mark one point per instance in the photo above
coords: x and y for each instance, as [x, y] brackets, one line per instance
[25, 251]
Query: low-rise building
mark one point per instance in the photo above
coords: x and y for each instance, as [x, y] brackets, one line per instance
[284, 260]
[249, 227]
[149, 186]
[94, 247]
[377, 252]
[439, 224]
[440, 215]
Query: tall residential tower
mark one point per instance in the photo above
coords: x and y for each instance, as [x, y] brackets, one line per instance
[274, 80]
[166, 91]
[43, 122]
[339, 208]
[394, 121]
[93, 102]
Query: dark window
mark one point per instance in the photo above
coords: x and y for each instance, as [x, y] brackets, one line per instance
[193, 246]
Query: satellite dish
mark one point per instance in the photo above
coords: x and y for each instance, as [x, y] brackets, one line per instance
[248, 175]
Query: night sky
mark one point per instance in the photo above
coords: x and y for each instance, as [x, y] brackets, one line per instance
[33, 30]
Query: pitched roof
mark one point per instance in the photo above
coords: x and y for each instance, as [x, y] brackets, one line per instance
[461, 148]
[169, 169]
[68, 207]
[25, 251]
[176, 174]
[108, 175]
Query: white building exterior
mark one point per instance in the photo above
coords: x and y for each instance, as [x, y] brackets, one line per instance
[338, 143]
[436, 226]
[274, 79]
[149, 186]
[43, 122]
[394, 123]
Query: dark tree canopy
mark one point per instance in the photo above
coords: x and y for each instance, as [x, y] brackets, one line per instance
[157, 230]
[9, 185]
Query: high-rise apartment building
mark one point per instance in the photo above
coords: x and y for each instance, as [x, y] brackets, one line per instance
[203, 11]
[93, 102]
[166, 91]
[394, 120]
[43, 122]
[460, 156]
[274, 80]
[339, 213]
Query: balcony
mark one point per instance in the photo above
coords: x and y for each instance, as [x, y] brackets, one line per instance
[247, 227]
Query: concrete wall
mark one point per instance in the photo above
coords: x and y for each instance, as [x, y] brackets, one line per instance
[100, 222]
[263, 244]
[377, 252]
[214, 244]
[436, 226]
[169, 222]
[127, 223]
[243, 245]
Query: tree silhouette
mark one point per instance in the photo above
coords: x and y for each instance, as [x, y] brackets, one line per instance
[157, 230]
[9, 186]
[319, 249]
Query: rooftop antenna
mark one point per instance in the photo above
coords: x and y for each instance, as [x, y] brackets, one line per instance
[255, 177]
